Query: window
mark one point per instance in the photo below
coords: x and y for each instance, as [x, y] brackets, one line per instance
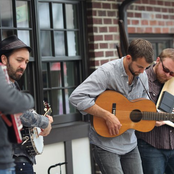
[55, 31]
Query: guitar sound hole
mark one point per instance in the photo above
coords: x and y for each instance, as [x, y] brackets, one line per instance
[136, 115]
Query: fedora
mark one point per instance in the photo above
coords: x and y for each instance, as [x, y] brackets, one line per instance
[12, 43]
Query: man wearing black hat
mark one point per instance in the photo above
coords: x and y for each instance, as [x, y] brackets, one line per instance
[11, 102]
[15, 56]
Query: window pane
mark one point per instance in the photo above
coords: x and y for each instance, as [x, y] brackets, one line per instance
[57, 16]
[44, 15]
[69, 108]
[59, 43]
[24, 36]
[6, 33]
[47, 97]
[22, 14]
[56, 96]
[56, 80]
[69, 75]
[45, 75]
[6, 13]
[71, 16]
[72, 43]
[45, 42]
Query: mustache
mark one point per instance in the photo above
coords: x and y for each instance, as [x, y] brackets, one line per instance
[20, 70]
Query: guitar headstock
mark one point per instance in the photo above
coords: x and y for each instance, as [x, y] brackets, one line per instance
[47, 108]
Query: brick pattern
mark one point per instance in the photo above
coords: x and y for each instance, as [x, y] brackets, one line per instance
[144, 16]
[151, 16]
[103, 31]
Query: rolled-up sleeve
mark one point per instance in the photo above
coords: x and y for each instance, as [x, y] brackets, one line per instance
[84, 95]
[32, 119]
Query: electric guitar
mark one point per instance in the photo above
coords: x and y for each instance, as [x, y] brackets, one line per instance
[139, 114]
[33, 142]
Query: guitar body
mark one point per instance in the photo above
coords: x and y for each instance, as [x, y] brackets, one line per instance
[35, 142]
[124, 108]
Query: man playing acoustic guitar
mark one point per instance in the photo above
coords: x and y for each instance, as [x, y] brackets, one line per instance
[156, 147]
[16, 58]
[116, 155]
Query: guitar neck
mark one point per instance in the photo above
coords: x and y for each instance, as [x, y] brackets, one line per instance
[157, 116]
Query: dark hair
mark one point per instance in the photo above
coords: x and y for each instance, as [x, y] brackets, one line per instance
[140, 48]
[7, 54]
[167, 53]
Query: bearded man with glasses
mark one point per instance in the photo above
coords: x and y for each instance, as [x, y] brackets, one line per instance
[157, 146]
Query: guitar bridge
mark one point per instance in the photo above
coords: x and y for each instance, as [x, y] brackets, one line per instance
[114, 108]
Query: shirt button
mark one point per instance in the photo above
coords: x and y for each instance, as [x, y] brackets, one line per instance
[170, 131]
[154, 94]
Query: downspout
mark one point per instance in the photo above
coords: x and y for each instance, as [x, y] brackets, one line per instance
[123, 17]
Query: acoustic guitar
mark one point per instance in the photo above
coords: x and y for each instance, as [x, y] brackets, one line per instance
[168, 86]
[139, 114]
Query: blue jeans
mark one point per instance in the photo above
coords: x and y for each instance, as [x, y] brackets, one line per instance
[111, 163]
[8, 171]
[156, 161]
[24, 168]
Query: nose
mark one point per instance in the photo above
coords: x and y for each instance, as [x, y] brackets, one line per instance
[142, 70]
[23, 65]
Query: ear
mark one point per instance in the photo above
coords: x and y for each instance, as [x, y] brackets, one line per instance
[128, 57]
[4, 59]
[158, 60]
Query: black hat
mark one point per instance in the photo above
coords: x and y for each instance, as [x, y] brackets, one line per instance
[12, 43]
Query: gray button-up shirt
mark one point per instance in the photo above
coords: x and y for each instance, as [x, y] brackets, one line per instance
[110, 76]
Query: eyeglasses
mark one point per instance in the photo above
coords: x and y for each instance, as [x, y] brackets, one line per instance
[166, 70]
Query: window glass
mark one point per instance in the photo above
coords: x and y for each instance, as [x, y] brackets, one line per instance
[47, 97]
[6, 33]
[59, 43]
[22, 14]
[69, 107]
[44, 15]
[56, 96]
[57, 16]
[56, 74]
[45, 75]
[69, 74]
[72, 43]
[71, 16]
[6, 12]
[24, 36]
[45, 43]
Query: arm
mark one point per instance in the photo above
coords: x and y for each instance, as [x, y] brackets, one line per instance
[111, 120]
[32, 119]
[11, 100]
[83, 98]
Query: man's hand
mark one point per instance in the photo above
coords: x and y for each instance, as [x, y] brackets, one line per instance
[113, 124]
[159, 123]
[47, 130]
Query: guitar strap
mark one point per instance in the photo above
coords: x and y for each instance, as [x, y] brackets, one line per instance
[145, 88]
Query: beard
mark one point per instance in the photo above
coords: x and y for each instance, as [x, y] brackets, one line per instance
[13, 74]
[161, 78]
[132, 71]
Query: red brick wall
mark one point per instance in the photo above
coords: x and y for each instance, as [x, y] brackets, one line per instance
[151, 16]
[143, 16]
[103, 31]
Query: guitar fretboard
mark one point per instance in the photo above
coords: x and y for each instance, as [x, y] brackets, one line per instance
[157, 116]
